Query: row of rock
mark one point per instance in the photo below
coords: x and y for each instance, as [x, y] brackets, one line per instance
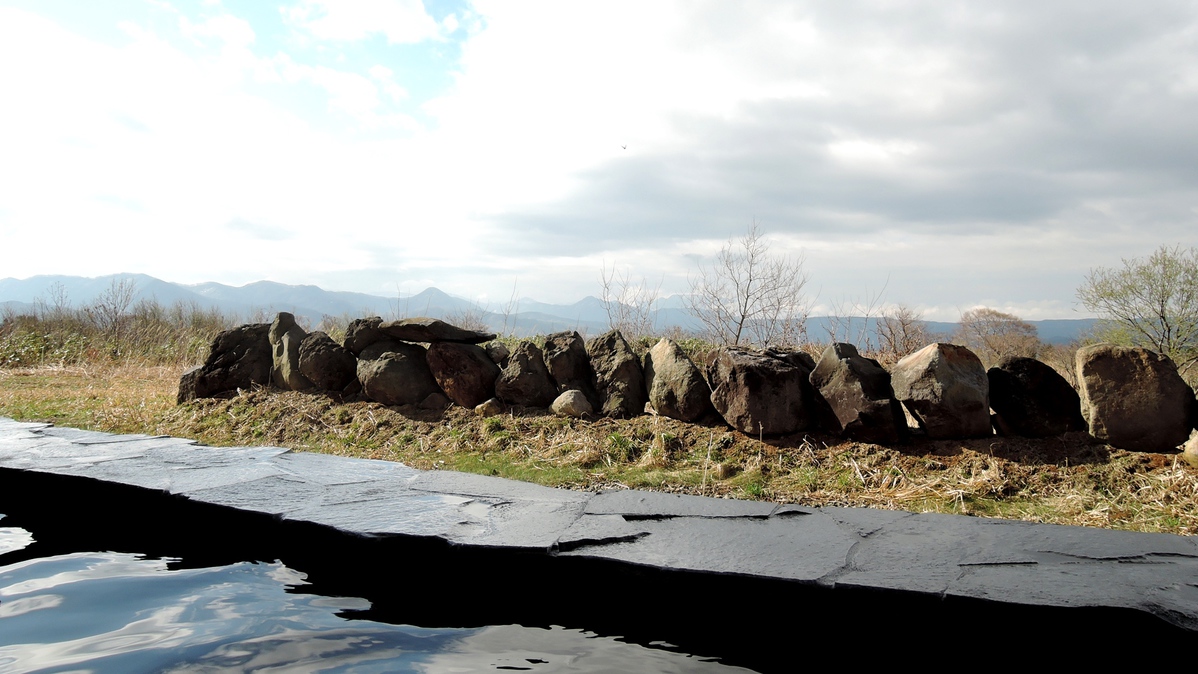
[1131, 398]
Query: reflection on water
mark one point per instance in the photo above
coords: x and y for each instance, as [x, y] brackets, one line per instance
[116, 612]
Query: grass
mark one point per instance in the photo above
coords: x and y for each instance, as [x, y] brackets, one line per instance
[1067, 480]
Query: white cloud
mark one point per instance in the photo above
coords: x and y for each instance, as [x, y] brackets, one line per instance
[225, 27]
[974, 156]
[400, 21]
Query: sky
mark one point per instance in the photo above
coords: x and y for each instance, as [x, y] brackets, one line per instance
[942, 155]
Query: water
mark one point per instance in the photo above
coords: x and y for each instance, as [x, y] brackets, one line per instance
[123, 612]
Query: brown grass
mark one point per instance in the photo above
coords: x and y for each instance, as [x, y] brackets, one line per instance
[1067, 480]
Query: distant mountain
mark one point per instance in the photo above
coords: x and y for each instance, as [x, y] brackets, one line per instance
[260, 300]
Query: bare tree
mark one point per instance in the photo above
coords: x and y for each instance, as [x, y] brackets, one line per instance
[473, 317]
[510, 311]
[1151, 302]
[110, 310]
[901, 330]
[994, 335]
[751, 295]
[56, 305]
[630, 306]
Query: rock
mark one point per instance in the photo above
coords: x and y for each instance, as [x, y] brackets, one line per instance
[398, 377]
[489, 408]
[1031, 399]
[435, 401]
[858, 391]
[498, 352]
[760, 394]
[572, 403]
[1134, 398]
[945, 389]
[464, 371]
[430, 330]
[285, 337]
[238, 359]
[325, 363]
[676, 387]
[361, 333]
[800, 359]
[525, 380]
[567, 361]
[377, 349]
[618, 377]
[1190, 451]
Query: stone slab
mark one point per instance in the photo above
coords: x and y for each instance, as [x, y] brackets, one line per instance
[922, 554]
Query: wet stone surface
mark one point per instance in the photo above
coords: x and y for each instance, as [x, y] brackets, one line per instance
[921, 554]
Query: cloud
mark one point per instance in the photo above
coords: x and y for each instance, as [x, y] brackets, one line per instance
[258, 230]
[973, 154]
[400, 21]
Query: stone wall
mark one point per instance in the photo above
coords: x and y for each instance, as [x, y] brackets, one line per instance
[1129, 397]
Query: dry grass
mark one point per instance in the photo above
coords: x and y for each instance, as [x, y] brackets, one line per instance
[1067, 480]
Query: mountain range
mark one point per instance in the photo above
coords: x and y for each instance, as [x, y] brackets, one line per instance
[260, 300]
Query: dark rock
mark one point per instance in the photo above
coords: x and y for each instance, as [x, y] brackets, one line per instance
[618, 377]
[377, 349]
[498, 352]
[758, 393]
[1134, 398]
[430, 330]
[464, 372]
[945, 389]
[362, 332]
[399, 376]
[1031, 399]
[238, 359]
[800, 359]
[435, 401]
[525, 380]
[858, 391]
[567, 361]
[325, 363]
[676, 387]
[572, 403]
[285, 337]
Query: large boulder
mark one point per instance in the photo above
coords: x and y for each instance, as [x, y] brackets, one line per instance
[464, 371]
[1134, 398]
[858, 391]
[618, 377]
[377, 349]
[676, 387]
[431, 330]
[285, 337]
[567, 361]
[760, 393]
[325, 363]
[525, 380]
[945, 389]
[398, 376]
[238, 359]
[1031, 399]
[362, 332]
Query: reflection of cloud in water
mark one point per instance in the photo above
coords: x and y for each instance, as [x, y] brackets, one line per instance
[13, 539]
[381, 648]
[560, 650]
[114, 612]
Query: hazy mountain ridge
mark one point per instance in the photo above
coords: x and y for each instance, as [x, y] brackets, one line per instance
[261, 299]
